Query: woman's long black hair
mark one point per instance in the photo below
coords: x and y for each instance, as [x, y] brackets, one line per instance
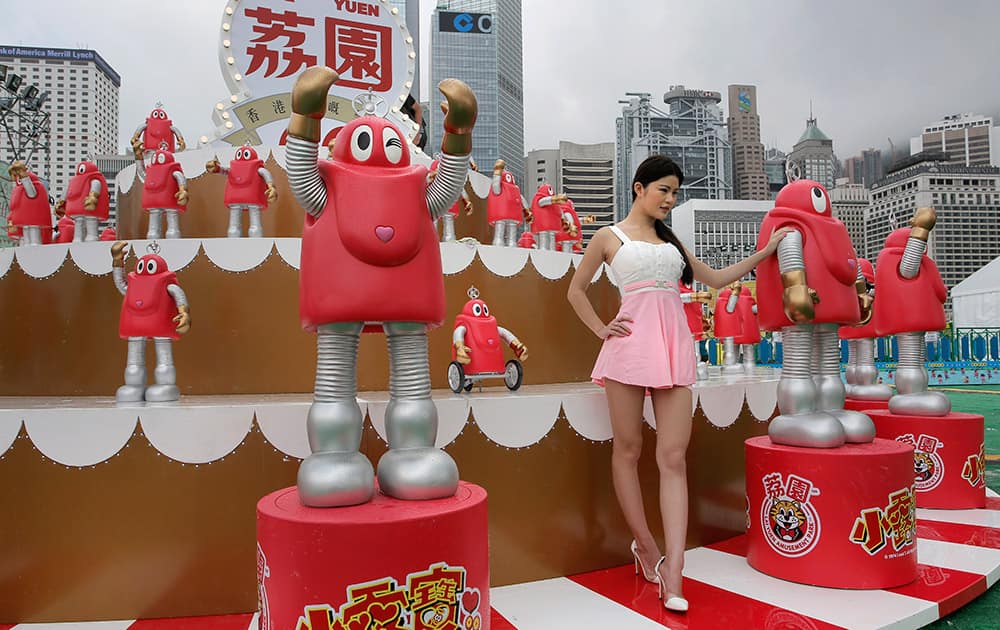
[653, 168]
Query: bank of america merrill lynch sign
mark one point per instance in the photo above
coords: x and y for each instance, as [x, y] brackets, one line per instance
[265, 44]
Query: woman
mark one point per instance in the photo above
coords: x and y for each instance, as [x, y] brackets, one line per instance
[647, 347]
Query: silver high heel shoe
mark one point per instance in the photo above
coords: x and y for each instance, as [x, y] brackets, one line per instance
[675, 602]
[650, 577]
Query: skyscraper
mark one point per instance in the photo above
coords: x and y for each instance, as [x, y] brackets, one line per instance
[967, 139]
[479, 42]
[851, 204]
[812, 156]
[83, 103]
[774, 168]
[691, 132]
[749, 179]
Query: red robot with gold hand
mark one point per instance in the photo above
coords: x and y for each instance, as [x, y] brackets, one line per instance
[30, 214]
[547, 216]
[911, 298]
[371, 261]
[729, 326]
[504, 207]
[477, 348]
[749, 337]
[699, 323]
[164, 192]
[156, 132]
[87, 202]
[806, 292]
[249, 188]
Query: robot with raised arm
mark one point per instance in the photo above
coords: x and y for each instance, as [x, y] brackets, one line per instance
[371, 261]
[87, 202]
[806, 292]
[861, 374]
[30, 214]
[156, 131]
[911, 301]
[164, 192]
[154, 307]
[504, 206]
[249, 188]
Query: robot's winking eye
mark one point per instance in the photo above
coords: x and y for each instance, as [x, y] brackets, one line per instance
[477, 310]
[150, 267]
[486, 311]
[818, 199]
[361, 143]
[161, 159]
[140, 267]
[393, 145]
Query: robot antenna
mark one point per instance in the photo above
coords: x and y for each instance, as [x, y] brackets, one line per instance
[473, 293]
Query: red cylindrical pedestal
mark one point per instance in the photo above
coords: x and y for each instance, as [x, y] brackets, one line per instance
[425, 562]
[856, 404]
[843, 517]
[949, 459]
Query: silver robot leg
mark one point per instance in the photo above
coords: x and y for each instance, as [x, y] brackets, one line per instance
[858, 428]
[510, 233]
[165, 375]
[566, 247]
[412, 468]
[235, 228]
[79, 229]
[135, 372]
[849, 369]
[31, 235]
[912, 396]
[498, 229]
[93, 223]
[336, 473]
[799, 423]
[730, 365]
[153, 231]
[749, 358]
[865, 374]
[447, 227]
[256, 230]
[173, 224]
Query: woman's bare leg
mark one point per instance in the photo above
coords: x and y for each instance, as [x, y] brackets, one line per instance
[672, 408]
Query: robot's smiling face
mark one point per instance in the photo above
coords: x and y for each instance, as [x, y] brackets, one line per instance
[158, 114]
[150, 265]
[245, 154]
[477, 308]
[371, 141]
[805, 195]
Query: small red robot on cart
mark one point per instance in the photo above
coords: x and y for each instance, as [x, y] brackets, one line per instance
[477, 352]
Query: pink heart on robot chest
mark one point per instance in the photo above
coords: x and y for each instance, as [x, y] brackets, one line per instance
[138, 303]
[384, 233]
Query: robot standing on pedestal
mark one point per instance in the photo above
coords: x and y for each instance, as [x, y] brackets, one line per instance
[861, 373]
[87, 202]
[749, 337]
[157, 131]
[371, 260]
[164, 191]
[547, 216]
[504, 207]
[156, 308]
[911, 299]
[249, 188]
[698, 322]
[728, 327]
[30, 213]
[806, 292]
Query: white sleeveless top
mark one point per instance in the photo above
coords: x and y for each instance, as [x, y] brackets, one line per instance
[658, 264]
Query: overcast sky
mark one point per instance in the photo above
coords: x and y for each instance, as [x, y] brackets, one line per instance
[872, 68]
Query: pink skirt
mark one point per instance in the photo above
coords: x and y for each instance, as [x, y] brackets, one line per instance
[659, 353]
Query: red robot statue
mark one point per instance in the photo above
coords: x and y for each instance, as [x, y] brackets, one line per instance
[806, 292]
[699, 323]
[728, 326]
[87, 202]
[30, 213]
[547, 216]
[164, 192]
[156, 133]
[370, 261]
[569, 236]
[504, 207]
[156, 308]
[249, 188]
[476, 351]
[861, 373]
[911, 296]
[749, 337]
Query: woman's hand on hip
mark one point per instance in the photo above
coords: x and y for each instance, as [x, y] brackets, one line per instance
[617, 327]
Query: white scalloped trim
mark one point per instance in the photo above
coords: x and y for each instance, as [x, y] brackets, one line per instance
[10, 426]
[284, 426]
[196, 435]
[290, 250]
[722, 407]
[178, 252]
[6, 258]
[237, 254]
[41, 261]
[762, 399]
[124, 179]
[503, 261]
[93, 258]
[455, 257]
[515, 420]
[589, 414]
[89, 438]
[551, 265]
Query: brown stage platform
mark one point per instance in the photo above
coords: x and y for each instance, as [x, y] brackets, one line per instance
[117, 512]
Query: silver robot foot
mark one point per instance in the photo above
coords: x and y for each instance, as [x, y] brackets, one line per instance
[811, 429]
[162, 393]
[702, 371]
[330, 479]
[733, 369]
[920, 404]
[417, 474]
[858, 428]
[130, 393]
[870, 392]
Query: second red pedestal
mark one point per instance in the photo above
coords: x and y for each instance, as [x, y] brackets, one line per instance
[858, 404]
[949, 461]
[842, 518]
